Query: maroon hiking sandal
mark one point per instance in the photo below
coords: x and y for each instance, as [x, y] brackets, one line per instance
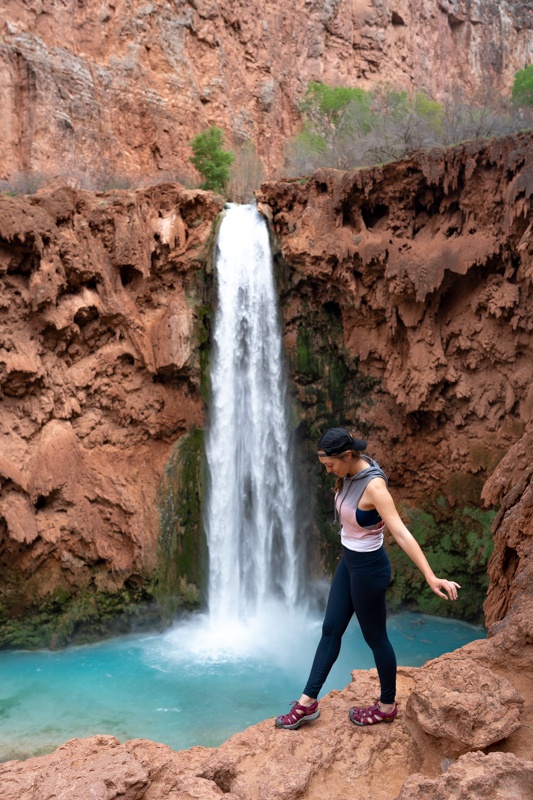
[371, 715]
[298, 715]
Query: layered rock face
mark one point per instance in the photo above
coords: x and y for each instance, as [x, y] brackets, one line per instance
[100, 374]
[94, 92]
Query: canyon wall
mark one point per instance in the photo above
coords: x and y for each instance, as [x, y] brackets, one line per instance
[406, 295]
[101, 342]
[97, 92]
[418, 275]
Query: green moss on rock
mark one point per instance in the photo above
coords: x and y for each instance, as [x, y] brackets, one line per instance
[182, 555]
[65, 617]
[458, 544]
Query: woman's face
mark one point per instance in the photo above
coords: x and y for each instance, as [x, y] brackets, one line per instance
[337, 465]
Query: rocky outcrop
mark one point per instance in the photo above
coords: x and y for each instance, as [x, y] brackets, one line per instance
[510, 568]
[100, 373]
[95, 92]
[465, 704]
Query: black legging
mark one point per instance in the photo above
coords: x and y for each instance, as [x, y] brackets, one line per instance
[359, 585]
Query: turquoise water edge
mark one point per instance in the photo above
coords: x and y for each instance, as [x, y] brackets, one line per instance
[190, 685]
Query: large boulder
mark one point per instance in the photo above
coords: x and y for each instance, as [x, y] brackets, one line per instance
[466, 704]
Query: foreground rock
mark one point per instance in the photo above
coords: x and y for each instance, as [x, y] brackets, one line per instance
[330, 758]
[491, 776]
[464, 703]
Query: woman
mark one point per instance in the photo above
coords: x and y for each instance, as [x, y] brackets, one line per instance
[364, 506]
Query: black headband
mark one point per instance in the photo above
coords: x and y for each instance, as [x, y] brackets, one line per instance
[338, 440]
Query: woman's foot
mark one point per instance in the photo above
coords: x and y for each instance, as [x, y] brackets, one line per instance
[298, 715]
[371, 715]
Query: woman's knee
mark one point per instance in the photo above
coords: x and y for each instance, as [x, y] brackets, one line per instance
[332, 630]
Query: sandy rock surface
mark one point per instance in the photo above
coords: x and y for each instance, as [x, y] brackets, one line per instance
[492, 777]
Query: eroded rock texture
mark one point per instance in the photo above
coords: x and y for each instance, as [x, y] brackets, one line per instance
[100, 374]
[416, 282]
[451, 316]
[97, 91]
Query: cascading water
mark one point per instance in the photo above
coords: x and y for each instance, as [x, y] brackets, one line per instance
[249, 520]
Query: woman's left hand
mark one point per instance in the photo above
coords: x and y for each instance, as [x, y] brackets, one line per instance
[444, 588]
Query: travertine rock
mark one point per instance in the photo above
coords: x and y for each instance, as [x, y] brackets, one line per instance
[99, 375]
[511, 565]
[417, 276]
[460, 701]
[99, 768]
[492, 777]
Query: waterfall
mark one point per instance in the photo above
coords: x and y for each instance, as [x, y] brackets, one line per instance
[249, 519]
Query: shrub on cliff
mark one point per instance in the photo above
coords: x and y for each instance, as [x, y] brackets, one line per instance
[522, 93]
[211, 160]
[349, 127]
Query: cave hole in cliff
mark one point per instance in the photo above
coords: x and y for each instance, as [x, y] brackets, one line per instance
[223, 778]
[510, 563]
[21, 261]
[127, 358]
[349, 218]
[46, 500]
[170, 374]
[333, 310]
[129, 275]
[397, 19]
[374, 214]
[92, 284]
[85, 315]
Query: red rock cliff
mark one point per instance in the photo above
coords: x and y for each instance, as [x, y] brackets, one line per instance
[100, 374]
[96, 91]
[423, 270]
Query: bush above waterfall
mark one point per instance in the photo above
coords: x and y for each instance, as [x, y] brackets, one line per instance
[211, 160]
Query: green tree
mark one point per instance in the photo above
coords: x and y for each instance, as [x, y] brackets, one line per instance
[211, 160]
[522, 94]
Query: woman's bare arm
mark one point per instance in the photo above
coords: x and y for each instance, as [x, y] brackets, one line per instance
[377, 493]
